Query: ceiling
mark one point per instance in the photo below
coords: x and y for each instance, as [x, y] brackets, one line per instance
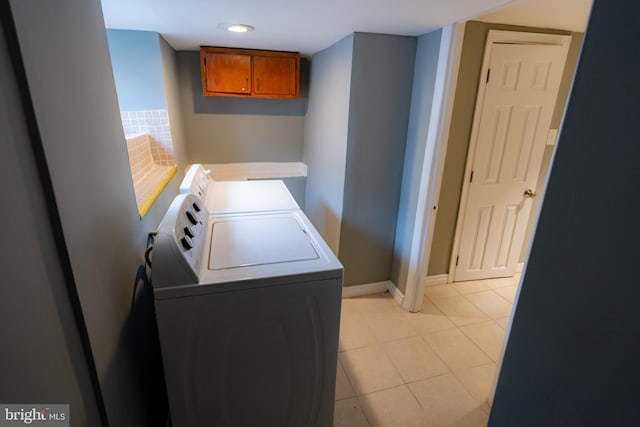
[308, 26]
[571, 15]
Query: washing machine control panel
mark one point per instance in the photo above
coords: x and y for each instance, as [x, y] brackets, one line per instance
[196, 181]
[179, 243]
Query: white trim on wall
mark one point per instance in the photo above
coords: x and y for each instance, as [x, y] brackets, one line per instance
[519, 267]
[374, 288]
[428, 193]
[366, 289]
[438, 279]
[396, 293]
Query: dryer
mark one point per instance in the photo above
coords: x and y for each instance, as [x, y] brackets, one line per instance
[248, 313]
[228, 197]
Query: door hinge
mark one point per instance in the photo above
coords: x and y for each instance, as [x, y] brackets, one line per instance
[457, 260]
[488, 74]
[471, 177]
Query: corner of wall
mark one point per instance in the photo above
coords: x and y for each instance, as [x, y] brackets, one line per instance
[173, 101]
[325, 138]
[426, 63]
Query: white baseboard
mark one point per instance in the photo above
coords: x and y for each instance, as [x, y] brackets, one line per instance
[366, 289]
[438, 279]
[396, 293]
[519, 267]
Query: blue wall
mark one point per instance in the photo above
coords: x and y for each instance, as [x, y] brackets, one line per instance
[381, 79]
[325, 138]
[426, 64]
[137, 69]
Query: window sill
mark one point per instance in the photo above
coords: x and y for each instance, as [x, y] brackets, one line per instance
[149, 187]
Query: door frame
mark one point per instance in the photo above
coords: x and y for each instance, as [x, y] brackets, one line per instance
[494, 36]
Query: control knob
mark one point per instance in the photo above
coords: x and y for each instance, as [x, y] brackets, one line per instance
[187, 243]
[189, 231]
[191, 217]
[196, 207]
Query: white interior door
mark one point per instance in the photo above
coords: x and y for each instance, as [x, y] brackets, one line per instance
[510, 136]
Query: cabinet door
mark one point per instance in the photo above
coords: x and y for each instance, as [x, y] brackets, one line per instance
[275, 76]
[228, 73]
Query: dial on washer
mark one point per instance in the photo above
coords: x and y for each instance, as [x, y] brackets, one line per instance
[187, 243]
[191, 217]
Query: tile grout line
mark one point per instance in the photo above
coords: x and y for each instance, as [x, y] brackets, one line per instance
[364, 412]
[496, 294]
[465, 387]
[481, 310]
[348, 380]
[382, 344]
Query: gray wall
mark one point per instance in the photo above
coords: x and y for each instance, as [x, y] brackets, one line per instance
[381, 81]
[427, 51]
[42, 358]
[460, 132]
[230, 130]
[325, 138]
[78, 118]
[169, 61]
[572, 352]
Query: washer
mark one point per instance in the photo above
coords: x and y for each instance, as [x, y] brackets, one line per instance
[227, 197]
[248, 312]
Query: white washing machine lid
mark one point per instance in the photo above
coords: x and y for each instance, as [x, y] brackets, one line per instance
[257, 241]
[237, 251]
[263, 249]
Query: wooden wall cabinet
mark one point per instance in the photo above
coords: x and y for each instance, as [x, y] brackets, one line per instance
[249, 73]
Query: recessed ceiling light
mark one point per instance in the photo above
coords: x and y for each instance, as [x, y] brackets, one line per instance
[239, 28]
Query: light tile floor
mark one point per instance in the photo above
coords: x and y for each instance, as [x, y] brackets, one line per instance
[433, 368]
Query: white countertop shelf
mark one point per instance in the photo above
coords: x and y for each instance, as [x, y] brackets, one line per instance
[256, 170]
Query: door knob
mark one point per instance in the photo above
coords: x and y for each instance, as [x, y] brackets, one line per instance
[529, 193]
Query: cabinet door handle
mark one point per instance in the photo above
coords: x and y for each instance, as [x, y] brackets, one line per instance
[246, 83]
[258, 84]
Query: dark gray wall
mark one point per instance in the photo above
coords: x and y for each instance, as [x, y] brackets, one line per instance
[380, 99]
[475, 37]
[78, 118]
[572, 353]
[231, 130]
[42, 358]
[424, 79]
[325, 138]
